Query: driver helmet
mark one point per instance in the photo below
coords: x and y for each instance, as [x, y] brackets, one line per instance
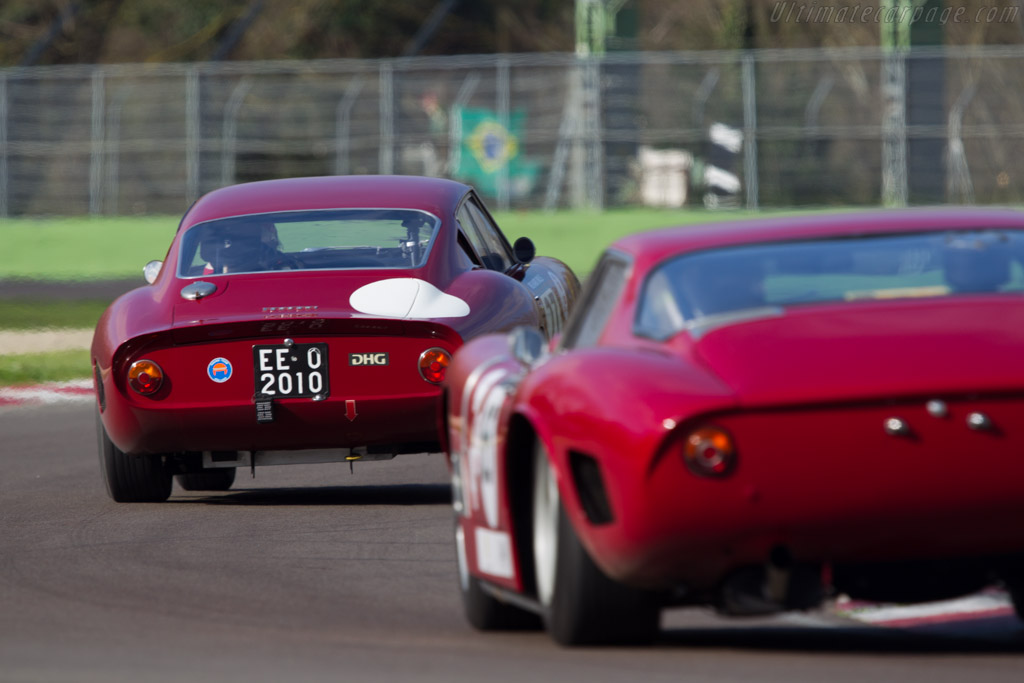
[239, 248]
[977, 262]
[712, 284]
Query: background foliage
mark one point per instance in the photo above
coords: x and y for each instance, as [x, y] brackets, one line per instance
[113, 31]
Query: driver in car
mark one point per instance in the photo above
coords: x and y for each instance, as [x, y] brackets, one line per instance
[243, 249]
[978, 263]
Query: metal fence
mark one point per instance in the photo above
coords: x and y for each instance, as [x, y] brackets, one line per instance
[754, 129]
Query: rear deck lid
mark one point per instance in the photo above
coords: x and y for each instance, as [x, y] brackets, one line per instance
[359, 303]
[870, 350]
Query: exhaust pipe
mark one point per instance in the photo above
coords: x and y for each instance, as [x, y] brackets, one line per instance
[777, 585]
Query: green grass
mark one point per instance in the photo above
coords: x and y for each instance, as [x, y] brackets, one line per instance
[68, 249]
[53, 366]
[579, 237]
[50, 366]
[32, 314]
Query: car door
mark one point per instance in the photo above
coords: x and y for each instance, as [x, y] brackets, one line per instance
[548, 283]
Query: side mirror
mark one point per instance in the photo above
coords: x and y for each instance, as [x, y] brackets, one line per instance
[524, 250]
[527, 345]
[151, 270]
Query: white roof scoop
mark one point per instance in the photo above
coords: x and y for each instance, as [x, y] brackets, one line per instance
[408, 298]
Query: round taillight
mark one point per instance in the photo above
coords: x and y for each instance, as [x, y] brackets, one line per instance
[145, 377]
[433, 364]
[709, 451]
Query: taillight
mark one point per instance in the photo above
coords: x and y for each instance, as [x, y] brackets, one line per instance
[709, 451]
[145, 377]
[433, 364]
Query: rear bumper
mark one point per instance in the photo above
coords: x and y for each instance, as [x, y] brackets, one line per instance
[700, 555]
[829, 487]
[298, 424]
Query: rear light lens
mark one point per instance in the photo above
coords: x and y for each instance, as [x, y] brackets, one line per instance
[433, 364]
[709, 451]
[145, 377]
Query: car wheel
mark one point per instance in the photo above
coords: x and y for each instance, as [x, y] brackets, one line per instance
[580, 604]
[1013, 582]
[483, 611]
[219, 479]
[132, 478]
[1017, 596]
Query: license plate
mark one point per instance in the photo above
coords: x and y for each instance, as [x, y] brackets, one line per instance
[296, 371]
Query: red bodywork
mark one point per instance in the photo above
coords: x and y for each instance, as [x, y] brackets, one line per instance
[804, 394]
[389, 407]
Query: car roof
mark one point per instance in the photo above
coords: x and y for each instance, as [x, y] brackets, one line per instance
[436, 195]
[651, 247]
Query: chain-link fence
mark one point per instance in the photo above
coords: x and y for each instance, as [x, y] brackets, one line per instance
[760, 128]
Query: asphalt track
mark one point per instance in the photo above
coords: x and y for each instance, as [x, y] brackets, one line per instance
[68, 291]
[315, 574]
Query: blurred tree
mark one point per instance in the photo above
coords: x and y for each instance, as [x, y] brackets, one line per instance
[107, 31]
[111, 31]
[714, 24]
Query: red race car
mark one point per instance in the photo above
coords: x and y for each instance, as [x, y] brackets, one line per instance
[302, 321]
[753, 416]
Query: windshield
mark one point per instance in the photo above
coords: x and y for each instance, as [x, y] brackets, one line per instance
[686, 290]
[309, 240]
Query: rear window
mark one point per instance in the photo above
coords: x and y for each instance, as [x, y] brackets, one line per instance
[309, 240]
[689, 289]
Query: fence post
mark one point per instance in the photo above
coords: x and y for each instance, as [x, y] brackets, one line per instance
[387, 119]
[97, 151]
[594, 172]
[505, 119]
[894, 129]
[192, 135]
[4, 210]
[750, 131]
[230, 131]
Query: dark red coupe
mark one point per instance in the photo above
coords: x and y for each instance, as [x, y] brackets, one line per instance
[754, 416]
[303, 321]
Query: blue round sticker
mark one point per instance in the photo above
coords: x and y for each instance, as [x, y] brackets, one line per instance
[219, 370]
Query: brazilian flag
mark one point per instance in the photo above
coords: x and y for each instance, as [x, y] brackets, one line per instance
[488, 147]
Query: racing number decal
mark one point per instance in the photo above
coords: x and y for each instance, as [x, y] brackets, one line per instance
[481, 453]
[553, 302]
[554, 311]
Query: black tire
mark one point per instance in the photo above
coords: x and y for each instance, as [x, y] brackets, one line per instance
[1017, 596]
[132, 478]
[581, 606]
[483, 611]
[219, 479]
[1015, 587]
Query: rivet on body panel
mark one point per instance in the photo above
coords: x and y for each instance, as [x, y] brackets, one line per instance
[895, 426]
[980, 422]
[937, 408]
